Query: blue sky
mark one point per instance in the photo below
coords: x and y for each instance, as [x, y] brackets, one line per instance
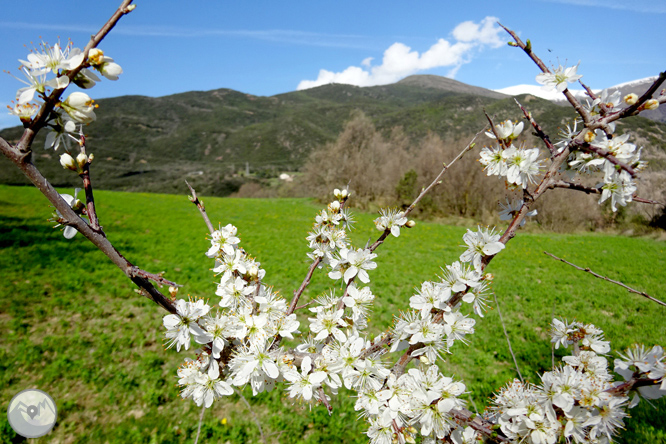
[268, 47]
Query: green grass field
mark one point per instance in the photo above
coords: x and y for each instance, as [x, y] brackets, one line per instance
[73, 326]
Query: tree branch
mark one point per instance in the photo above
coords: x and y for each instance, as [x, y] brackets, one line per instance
[631, 290]
[195, 200]
[97, 238]
[538, 130]
[570, 97]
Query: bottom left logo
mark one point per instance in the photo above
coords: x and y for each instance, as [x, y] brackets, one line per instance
[32, 413]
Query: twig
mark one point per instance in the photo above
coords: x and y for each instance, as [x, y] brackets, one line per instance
[304, 284]
[87, 186]
[647, 95]
[195, 200]
[158, 278]
[97, 238]
[538, 130]
[254, 416]
[203, 410]
[609, 157]
[425, 190]
[631, 290]
[494, 130]
[592, 95]
[508, 341]
[324, 400]
[570, 97]
[594, 190]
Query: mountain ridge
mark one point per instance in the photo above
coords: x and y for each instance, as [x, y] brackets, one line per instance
[212, 138]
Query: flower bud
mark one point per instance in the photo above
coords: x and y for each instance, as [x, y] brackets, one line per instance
[424, 359]
[68, 162]
[651, 104]
[81, 160]
[334, 206]
[340, 194]
[589, 136]
[630, 99]
[253, 272]
[80, 107]
[410, 224]
[173, 291]
[77, 206]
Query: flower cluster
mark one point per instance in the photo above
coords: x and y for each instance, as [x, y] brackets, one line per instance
[237, 340]
[642, 363]
[517, 164]
[329, 234]
[575, 402]
[391, 220]
[617, 185]
[65, 65]
[479, 245]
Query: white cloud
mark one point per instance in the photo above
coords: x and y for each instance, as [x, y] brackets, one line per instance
[487, 32]
[400, 60]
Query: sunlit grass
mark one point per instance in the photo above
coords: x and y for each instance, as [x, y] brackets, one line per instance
[73, 326]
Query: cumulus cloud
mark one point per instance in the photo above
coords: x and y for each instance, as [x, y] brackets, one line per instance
[400, 60]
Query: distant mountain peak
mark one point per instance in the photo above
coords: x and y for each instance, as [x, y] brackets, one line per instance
[447, 84]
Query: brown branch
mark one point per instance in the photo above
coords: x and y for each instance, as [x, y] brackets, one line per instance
[195, 200]
[647, 95]
[158, 278]
[87, 187]
[626, 386]
[631, 290]
[479, 424]
[593, 190]
[574, 186]
[570, 97]
[538, 129]
[591, 93]
[609, 157]
[304, 284]
[90, 200]
[322, 397]
[22, 162]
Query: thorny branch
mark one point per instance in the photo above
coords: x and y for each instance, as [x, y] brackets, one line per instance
[538, 130]
[570, 97]
[629, 289]
[595, 190]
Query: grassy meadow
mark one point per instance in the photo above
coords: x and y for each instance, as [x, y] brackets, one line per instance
[72, 325]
